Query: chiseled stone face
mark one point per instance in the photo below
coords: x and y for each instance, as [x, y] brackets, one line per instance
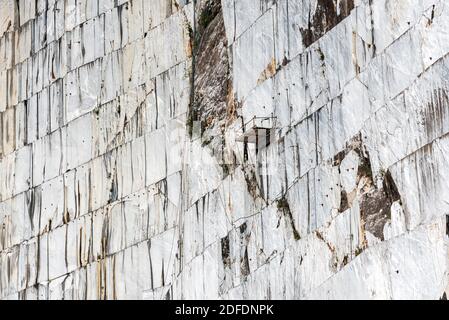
[234, 149]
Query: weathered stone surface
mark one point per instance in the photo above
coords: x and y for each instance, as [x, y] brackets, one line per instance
[233, 149]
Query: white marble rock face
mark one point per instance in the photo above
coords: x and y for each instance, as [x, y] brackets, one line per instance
[129, 167]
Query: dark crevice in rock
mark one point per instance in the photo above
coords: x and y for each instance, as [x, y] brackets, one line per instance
[228, 168]
[30, 200]
[244, 264]
[447, 225]
[244, 240]
[327, 15]
[344, 204]
[338, 158]
[209, 11]
[225, 252]
[252, 184]
[284, 207]
[364, 169]
[390, 188]
[113, 191]
[168, 295]
[432, 16]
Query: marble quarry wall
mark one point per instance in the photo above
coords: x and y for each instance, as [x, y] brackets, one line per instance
[233, 149]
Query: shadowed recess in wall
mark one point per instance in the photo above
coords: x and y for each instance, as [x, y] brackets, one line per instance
[328, 14]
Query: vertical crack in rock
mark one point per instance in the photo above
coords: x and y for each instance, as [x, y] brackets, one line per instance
[225, 252]
[245, 235]
[252, 184]
[327, 14]
[284, 207]
[227, 278]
